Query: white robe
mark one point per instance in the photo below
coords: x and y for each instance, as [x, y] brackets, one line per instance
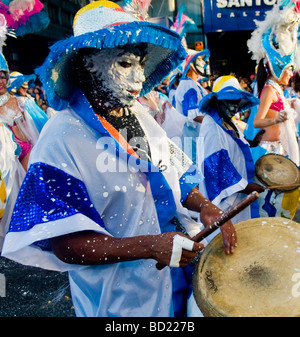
[124, 200]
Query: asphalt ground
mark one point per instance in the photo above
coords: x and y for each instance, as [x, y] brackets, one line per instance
[34, 292]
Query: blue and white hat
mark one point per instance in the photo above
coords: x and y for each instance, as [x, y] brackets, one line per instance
[101, 25]
[17, 79]
[228, 88]
[276, 38]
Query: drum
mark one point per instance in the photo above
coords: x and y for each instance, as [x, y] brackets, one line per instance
[277, 170]
[262, 277]
[274, 169]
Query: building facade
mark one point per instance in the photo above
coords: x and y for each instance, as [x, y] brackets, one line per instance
[222, 26]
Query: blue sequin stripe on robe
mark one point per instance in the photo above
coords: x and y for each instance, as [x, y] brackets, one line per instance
[220, 173]
[48, 194]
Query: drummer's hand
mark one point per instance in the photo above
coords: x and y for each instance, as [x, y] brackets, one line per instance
[229, 237]
[174, 249]
[253, 187]
[209, 215]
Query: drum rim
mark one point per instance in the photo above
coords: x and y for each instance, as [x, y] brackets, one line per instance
[282, 156]
[207, 308]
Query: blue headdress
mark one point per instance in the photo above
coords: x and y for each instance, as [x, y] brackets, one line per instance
[102, 25]
[277, 37]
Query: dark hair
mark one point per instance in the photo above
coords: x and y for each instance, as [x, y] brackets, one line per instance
[261, 75]
[297, 81]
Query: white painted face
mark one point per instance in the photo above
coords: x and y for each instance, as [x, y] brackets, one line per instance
[120, 73]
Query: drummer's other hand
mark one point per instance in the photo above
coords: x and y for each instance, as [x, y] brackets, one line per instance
[253, 187]
[229, 237]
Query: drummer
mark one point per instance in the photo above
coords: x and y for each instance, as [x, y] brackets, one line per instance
[226, 158]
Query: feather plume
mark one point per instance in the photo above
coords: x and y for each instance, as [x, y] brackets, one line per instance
[283, 19]
[138, 8]
[182, 22]
[20, 13]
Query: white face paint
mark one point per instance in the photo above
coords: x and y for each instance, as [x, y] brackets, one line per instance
[121, 74]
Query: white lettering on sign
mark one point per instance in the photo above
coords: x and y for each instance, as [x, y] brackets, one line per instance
[243, 3]
[232, 14]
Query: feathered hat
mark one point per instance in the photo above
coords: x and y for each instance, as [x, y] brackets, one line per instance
[18, 79]
[228, 88]
[191, 57]
[102, 25]
[275, 38]
[24, 16]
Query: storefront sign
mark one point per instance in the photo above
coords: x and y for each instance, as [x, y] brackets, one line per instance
[233, 15]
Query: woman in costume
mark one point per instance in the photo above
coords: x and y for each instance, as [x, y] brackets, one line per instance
[20, 121]
[105, 182]
[277, 60]
[22, 116]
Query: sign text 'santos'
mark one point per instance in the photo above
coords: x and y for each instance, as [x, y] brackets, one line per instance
[243, 3]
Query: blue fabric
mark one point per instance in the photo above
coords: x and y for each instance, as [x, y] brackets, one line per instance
[219, 173]
[162, 193]
[59, 90]
[248, 157]
[190, 101]
[187, 182]
[48, 194]
[267, 206]
[37, 114]
[250, 131]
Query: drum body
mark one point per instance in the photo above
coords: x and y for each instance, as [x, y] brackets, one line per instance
[275, 169]
[262, 277]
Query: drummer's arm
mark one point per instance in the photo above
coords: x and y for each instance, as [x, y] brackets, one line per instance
[209, 214]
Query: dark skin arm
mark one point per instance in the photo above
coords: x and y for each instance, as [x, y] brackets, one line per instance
[209, 213]
[91, 248]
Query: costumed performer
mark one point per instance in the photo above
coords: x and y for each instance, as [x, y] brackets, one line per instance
[277, 60]
[225, 158]
[20, 114]
[92, 205]
[161, 109]
[19, 84]
[188, 95]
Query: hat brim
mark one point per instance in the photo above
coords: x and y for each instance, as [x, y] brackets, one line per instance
[17, 83]
[165, 53]
[205, 53]
[247, 100]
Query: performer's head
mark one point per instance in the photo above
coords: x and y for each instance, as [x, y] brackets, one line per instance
[227, 98]
[113, 54]
[112, 78]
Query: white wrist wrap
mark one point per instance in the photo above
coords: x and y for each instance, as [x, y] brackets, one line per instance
[179, 243]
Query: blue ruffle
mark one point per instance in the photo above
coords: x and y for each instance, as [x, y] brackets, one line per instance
[48, 194]
[59, 89]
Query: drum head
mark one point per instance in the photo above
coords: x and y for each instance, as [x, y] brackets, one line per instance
[262, 277]
[275, 169]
